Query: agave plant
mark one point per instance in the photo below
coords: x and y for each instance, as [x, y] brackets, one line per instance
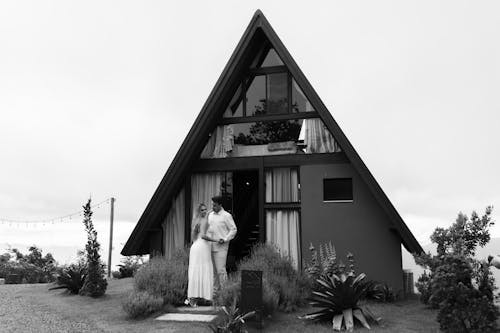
[338, 296]
[71, 278]
[234, 322]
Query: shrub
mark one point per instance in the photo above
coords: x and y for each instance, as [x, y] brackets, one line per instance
[291, 286]
[232, 320]
[141, 304]
[129, 266]
[116, 275]
[164, 277]
[230, 294]
[337, 297]
[424, 287]
[325, 262]
[27, 268]
[373, 290]
[283, 287]
[462, 306]
[71, 278]
[459, 285]
[95, 284]
[230, 291]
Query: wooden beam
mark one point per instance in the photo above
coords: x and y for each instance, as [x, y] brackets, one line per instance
[268, 117]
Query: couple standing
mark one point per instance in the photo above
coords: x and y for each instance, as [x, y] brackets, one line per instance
[211, 234]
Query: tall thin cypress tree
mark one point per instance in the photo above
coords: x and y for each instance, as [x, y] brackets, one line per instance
[95, 283]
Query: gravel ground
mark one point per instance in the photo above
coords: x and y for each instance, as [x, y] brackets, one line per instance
[22, 311]
[32, 308]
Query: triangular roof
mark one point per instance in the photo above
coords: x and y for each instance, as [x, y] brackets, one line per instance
[258, 31]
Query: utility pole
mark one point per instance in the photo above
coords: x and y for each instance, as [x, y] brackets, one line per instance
[111, 235]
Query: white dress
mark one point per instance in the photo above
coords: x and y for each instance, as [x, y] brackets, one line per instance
[200, 271]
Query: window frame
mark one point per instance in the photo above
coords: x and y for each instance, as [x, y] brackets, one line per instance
[339, 200]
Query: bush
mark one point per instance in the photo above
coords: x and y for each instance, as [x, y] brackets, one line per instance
[27, 268]
[459, 285]
[71, 278]
[22, 272]
[283, 287]
[164, 277]
[129, 266]
[141, 304]
[325, 262]
[231, 293]
[462, 306]
[116, 275]
[291, 286]
[424, 287]
[337, 297]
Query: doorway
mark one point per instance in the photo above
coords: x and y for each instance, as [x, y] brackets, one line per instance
[246, 215]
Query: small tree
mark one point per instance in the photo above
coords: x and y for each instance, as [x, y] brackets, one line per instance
[459, 285]
[95, 283]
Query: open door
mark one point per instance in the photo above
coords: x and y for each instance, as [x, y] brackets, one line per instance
[246, 215]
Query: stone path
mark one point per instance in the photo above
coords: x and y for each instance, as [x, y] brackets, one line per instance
[204, 314]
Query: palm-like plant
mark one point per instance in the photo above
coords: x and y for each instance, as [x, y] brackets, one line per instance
[234, 322]
[338, 296]
[71, 278]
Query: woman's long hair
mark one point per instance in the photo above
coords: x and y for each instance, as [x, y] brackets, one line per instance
[196, 227]
[198, 210]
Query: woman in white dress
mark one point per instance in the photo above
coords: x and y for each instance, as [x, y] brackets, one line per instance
[200, 271]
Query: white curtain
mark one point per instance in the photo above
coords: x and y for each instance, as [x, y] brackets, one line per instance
[282, 230]
[317, 137]
[282, 185]
[204, 186]
[173, 226]
[221, 142]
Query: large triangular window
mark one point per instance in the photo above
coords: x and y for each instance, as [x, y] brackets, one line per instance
[262, 117]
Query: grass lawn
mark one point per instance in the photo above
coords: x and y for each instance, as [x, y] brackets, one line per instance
[31, 307]
[401, 317]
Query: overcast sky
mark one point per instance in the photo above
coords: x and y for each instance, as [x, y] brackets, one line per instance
[96, 97]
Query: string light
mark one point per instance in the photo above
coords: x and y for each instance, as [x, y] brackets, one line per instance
[67, 217]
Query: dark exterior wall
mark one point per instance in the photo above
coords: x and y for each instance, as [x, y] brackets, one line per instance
[360, 227]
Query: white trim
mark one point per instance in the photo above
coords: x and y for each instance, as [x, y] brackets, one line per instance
[340, 201]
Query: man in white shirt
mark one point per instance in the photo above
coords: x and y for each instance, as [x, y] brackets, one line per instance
[221, 227]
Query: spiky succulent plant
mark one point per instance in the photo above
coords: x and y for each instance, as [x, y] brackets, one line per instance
[337, 297]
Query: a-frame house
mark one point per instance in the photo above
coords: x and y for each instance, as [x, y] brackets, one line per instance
[267, 143]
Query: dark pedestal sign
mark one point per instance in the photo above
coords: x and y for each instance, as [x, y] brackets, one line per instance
[251, 294]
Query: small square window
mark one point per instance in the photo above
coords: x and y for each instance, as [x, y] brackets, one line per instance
[337, 189]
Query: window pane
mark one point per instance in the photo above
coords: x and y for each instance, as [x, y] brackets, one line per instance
[235, 107]
[264, 132]
[256, 96]
[234, 110]
[299, 101]
[282, 185]
[262, 138]
[277, 101]
[282, 230]
[337, 189]
[204, 186]
[272, 59]
[174, 225]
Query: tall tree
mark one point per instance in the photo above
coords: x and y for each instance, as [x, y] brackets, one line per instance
[95, 283]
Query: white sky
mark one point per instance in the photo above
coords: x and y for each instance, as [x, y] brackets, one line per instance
[97, 96]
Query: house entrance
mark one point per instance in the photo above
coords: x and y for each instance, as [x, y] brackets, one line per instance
[246, 215]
